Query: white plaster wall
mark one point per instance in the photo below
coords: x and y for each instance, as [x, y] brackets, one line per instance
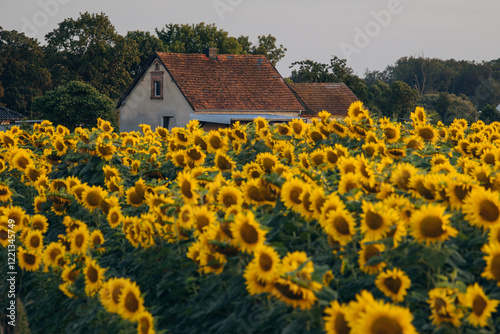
[139, 108]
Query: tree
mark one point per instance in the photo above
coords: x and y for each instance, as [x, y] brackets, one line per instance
[185, 38]
[75, 104]
[311, 71]
[489, 114]
[448, 107]
[147, 44]
[394, 101]
[194, 38]
[22, 71]
[267, 47]
[336, 71]
[89, 49]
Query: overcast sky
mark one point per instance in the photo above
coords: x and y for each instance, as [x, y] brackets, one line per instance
[370, 34]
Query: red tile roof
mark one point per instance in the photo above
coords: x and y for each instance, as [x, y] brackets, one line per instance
[332, 97]
[231, 82]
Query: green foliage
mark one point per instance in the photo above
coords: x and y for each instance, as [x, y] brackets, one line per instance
[267, 47]
[23, 75]
[336, 71]
[147, 45]
[489, 114]
[75, 104]
[480, 82]
[194, 38]
[394, 101]
[448, 107]
[89, 49]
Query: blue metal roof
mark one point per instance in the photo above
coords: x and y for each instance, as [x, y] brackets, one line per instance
[229, 118]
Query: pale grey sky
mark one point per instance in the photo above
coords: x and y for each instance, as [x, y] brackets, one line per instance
[370, 34]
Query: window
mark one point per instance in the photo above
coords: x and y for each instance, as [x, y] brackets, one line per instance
[166, 121]
[157, 88]
[156, 83]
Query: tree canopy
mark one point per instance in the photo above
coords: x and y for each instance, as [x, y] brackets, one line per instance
[193, 38]
[146, 44]
[23, 75]
[446, 107]
[480, 82]
[89, 49]
[395, 100]
[336, 71]
[75, 104]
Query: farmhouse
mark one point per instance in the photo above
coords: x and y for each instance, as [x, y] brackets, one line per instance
[215, 89]
[8, 116]
[332, 97]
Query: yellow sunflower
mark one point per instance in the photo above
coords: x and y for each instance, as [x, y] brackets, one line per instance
[267, 161]
[481, 306]
[68, 289]
[111, 292]
[376, 220]
[494, 235]
[254, 284]
[5, 193]
[335, 321]
[80, 240]
[188, 187]
[430, 224]
[229, 196]
[130, 302]
[202, 217]
[39, 223]
[96, 239]
[114, 217]
[419, 116]
[392, 132]
[94, 276]
[52, 252]
[247, 232]
[401, 175]
[379, 318]
[357, 111]
[366, 253]
[427, 132]
[290, 193]
[293, 294]
[482, 207]
[195, 156]
[21, 159]
[458, 189]
[70, 273]
[393, 283]
[443, 307]
[28, 260]
[223, 162]
[33, 241]
[59, 145]
[216, 142]
[298, 128]
[492, 270]
[340, 225]
[145, 323]
[266, 263]
[91, 197]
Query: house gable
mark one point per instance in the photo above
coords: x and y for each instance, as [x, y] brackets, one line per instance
[154, 99]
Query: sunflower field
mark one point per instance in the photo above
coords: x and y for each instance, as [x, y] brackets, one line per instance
[357, 225]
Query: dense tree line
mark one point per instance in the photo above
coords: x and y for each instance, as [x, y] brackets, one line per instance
[90, 50]
[447, 88]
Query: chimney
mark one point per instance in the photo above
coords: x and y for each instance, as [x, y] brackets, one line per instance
[212, 53]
